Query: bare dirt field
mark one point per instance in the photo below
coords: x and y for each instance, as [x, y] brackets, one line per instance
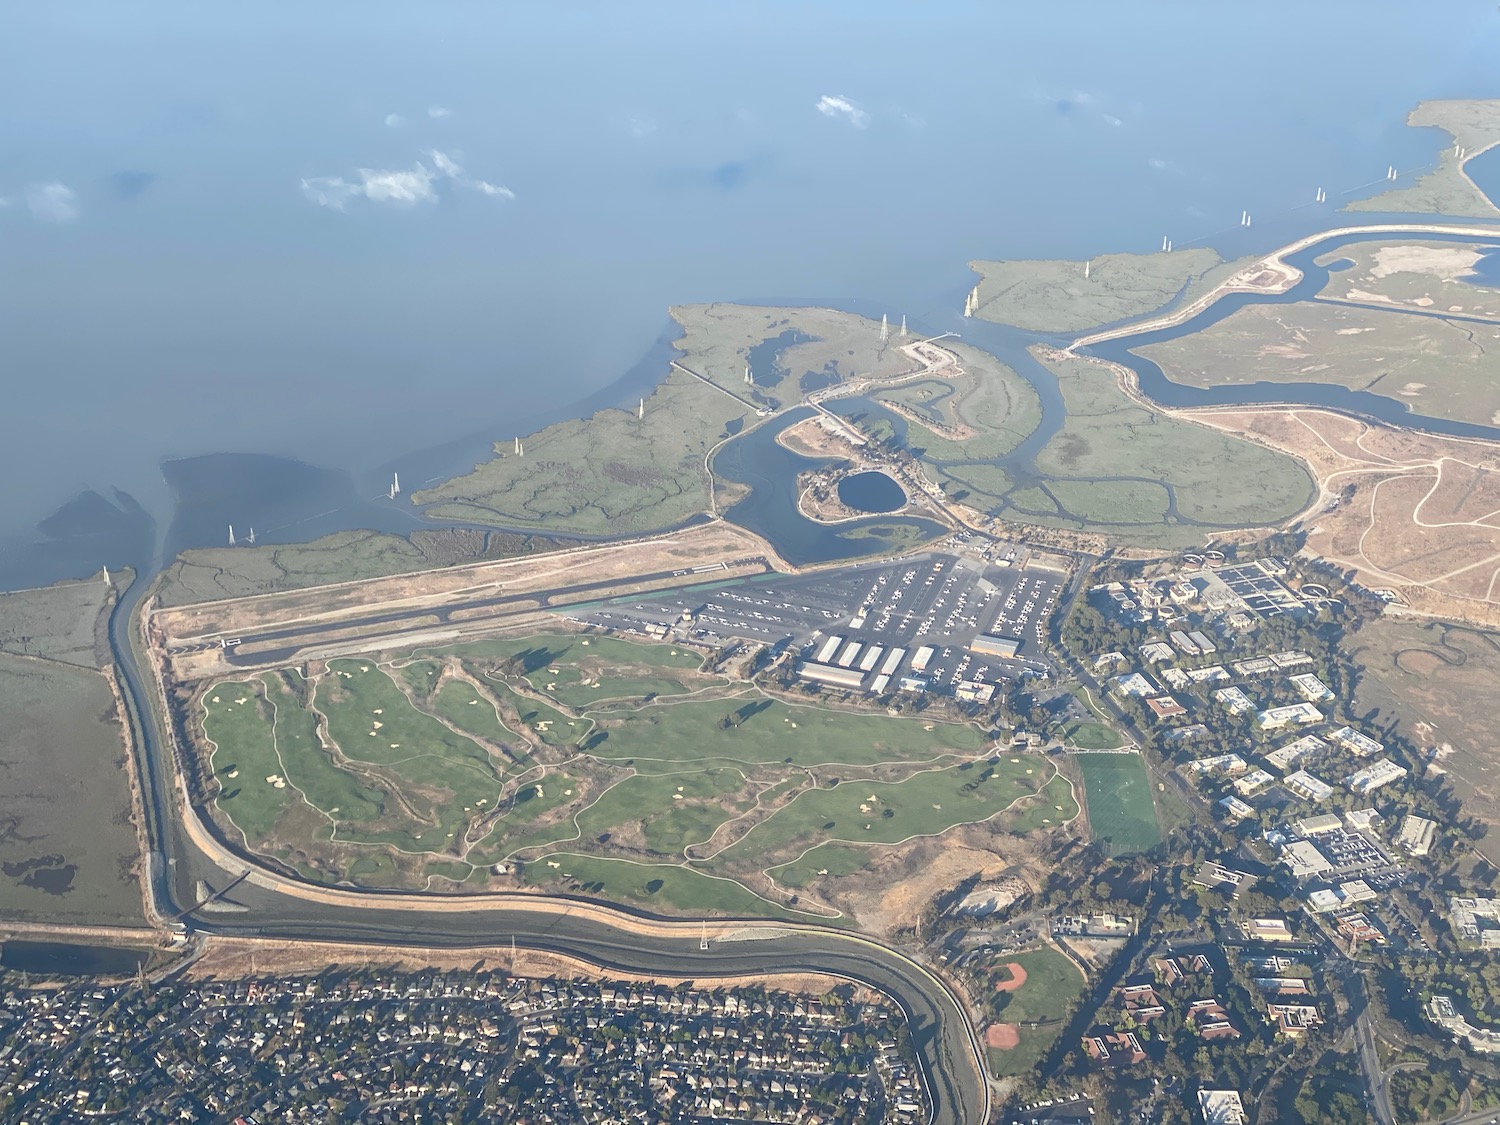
[1438, 680]
[236, 958]
[1410, 512]
[1015, 979]
[1002, 1037]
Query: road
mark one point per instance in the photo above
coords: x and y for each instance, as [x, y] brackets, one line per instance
[949, 1055]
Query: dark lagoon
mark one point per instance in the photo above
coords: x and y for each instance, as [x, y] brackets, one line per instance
[872, 492]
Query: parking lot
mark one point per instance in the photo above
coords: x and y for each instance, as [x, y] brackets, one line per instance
[936, 600]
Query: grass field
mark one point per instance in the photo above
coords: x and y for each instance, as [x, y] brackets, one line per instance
[994, 406]
[1219, 481]
[1438, 680]
[925, 804]
[1055, 296]
[1441, 368]
[769, 731]
[1094, 736]
[58, 622]
[1475, 124]
[1052, 983]
[441, 767]
[616, 473]
[651, 883]
[67, 845]
[1122, 816]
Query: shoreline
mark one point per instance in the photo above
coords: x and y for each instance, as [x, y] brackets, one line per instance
[1272, 261]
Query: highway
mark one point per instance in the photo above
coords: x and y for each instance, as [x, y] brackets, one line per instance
[950, 1058]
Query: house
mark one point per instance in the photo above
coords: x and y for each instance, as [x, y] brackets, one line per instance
[1175, 969]
[1361, 746]
[1233, 700]
[1310, 688]
[1295, 714]
[1237, 808]
[1154, 652]
[1230, 764]
[1134, 684]
[1253, 783]
[1210, 1020]
[1293, 1020]
[1476, 921]
[1304, 785]
[1140, 1001]
[1320, 825]
[1304, 859]
[1221, 1107]
[1224, 878]
[1383, 772]
[1165, 707]
[1285, 757]
[1116, 1048]
[1358, 927]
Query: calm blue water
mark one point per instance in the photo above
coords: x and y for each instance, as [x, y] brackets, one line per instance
[175, 281]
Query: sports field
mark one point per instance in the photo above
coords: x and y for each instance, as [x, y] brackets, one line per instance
[1026, 995]
[1117, 790]
[607, 766]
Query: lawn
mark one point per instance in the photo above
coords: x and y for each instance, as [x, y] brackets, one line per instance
[1052, 983]
[238, 721]
[752, 728]
[868, 812]
[646, 883]
[835, 859]
[1122, 816]
[1093, 736]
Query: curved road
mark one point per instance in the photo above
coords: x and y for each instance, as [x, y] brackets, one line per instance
[948, 1051]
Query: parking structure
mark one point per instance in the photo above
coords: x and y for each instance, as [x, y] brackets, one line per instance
[961, 617]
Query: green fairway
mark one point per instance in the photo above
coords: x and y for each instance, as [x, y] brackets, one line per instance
[1052, 983]
[752, 728]
[461, 704]
[646, 883]
[834, 859]
[1093, 736]
[887, 812]
[326, 787]
[546, 724]
[237, 721]
[1122, 817]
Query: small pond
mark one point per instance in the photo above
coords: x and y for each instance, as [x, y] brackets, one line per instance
[872, 492]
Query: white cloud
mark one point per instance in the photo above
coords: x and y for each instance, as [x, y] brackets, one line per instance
[445, 164]
[52, 203]
[436, 111]
[487, 188]
[1111, 119]
[642, 126]
[836, 105]
[414, 186]
[394, 121]
[404, 187]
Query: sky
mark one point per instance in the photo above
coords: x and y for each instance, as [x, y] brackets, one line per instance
[340, 232]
